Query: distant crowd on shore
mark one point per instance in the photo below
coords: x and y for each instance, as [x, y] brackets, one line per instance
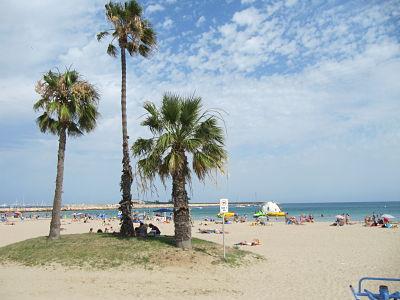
[343, 219]
[289, 220]
[376, 221]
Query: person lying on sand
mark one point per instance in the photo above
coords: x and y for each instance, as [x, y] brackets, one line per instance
[254, 242]
[292, 220]
[338, 222]
[368, 221]
[211, 231]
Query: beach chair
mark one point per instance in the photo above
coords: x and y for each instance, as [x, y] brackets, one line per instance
[383, 293]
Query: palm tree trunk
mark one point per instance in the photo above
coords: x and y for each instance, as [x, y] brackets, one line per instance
[55, 223]
[183, 229]
[126, 177]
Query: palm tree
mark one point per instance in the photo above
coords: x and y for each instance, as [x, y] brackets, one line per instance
[181, 132]
[69, 107]
[134, 34]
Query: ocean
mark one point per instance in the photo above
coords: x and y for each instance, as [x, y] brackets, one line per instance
[320, 211]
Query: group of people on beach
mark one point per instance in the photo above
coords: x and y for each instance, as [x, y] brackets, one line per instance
[4, 220]
[141, 231]
[342, 219]
[302, 219]
[376, 221]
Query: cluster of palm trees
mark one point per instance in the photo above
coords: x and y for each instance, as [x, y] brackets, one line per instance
[182, 131]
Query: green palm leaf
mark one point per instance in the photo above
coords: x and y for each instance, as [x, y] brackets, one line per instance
[180, 129]
[130, 29]
[66, 102]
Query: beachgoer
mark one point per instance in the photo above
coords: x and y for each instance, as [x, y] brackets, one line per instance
[254, 242]
[367, 221]
[141, 231]
[91, 230]
[293, 220]
[154, 230]
[286, 218]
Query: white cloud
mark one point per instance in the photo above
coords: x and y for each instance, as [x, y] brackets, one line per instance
[248, 17]
[168, 23]
[35, 38]
[153, 8]
[247, 1]
[290, 2]
[331, 125]
[200, 21]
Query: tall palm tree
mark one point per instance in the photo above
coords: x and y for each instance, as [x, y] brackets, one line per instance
[69, 106]
[132, 33]
[182, 132]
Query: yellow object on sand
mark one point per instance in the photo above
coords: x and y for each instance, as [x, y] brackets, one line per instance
[275, 214]
[226, 215]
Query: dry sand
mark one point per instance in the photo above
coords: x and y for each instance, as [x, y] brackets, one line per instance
[313, 261]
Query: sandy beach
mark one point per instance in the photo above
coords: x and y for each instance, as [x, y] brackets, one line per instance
[313, 261]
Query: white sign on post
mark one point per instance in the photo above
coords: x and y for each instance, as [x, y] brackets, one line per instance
[223, 208]
[223, 205]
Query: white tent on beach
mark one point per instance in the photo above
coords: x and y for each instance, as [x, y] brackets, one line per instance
[270, 207]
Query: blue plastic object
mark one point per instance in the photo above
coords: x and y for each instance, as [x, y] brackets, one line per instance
[383, 293]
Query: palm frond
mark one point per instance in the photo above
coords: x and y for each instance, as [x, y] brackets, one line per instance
[66, 102]
[130, 28]
[180, 128]
[47, 124]
[112, 50]
[73, 130]
[142, 147]
[153, 119]
[101, 35]
[133, 8]
[40, 104]
[171, 108]
[190, 111]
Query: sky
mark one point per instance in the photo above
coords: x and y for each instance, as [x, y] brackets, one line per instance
[310, 91]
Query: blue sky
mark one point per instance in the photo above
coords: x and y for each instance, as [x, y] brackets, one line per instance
[311, 90]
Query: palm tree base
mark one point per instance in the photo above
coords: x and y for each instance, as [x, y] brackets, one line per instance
[185, 245]
[127, 228]
[54, 234]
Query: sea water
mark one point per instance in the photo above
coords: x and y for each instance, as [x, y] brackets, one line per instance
[320, 211]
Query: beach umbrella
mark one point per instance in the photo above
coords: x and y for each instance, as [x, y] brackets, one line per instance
[163, 210]
[387, 216]
[340, 217]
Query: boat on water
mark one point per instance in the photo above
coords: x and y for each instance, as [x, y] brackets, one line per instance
[270, 209]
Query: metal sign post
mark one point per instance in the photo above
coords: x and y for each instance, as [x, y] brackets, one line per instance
[223, 209]
[223, 234]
